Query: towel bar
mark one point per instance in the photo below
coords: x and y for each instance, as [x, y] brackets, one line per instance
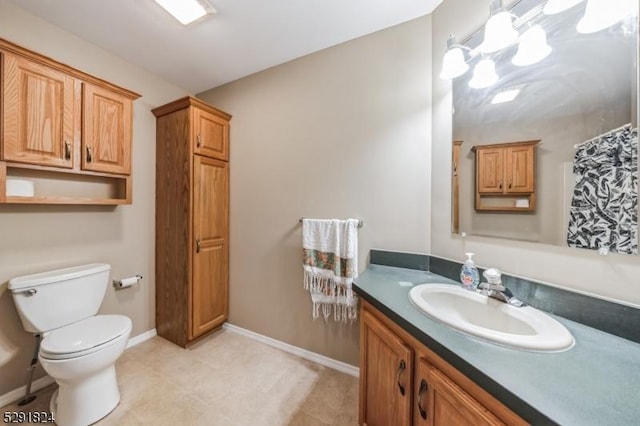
[360, 222]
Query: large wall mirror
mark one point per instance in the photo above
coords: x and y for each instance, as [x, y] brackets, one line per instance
[548, 153]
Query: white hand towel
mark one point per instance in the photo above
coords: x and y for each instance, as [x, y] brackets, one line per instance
[330, 250]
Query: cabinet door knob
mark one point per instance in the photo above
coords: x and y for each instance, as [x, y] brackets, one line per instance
[423, 388]
[89, 154]
[67, 150]
[197, 245]
[509, 183]
[500, 185]
[198, 141]
[401, 367]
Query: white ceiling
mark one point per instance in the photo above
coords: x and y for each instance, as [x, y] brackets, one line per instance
[244, 37]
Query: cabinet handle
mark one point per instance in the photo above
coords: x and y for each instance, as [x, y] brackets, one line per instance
[401, 368]
[198, 141]
[500, 185]
[423, 388]
[197, 245]
[67, 150]
[509, 183]
[89, 154]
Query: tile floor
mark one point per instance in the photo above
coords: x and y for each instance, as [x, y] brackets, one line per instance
[226, 379]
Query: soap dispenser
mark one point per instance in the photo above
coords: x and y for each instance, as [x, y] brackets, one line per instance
[469, 275]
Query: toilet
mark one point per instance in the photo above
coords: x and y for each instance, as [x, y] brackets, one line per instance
[79, 349]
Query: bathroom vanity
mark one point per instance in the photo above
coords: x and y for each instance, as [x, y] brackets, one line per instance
[416, 370]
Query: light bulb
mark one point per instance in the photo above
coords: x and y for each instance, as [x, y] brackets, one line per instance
[498, 33]
[453, 64]
[484, 74]
[533, 47]
[601, 14]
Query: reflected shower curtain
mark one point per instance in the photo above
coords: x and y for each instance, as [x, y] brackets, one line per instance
[604, 208]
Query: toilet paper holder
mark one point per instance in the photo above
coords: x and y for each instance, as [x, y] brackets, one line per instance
[126, 282]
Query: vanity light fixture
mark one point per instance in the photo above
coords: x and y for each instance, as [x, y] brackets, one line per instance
[453, 63]
[533, 47]
[556, 6]
[601, 14]
[187, 11]
[484, 74]
[505, 96]
[498, 31]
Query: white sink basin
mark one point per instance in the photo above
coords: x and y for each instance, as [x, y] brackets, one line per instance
[481, 316]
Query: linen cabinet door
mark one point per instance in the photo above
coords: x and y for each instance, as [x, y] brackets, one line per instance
[386, 371]
[520, 173]
[209, 296]
[106, 130]
[211, 135]
[41, 112]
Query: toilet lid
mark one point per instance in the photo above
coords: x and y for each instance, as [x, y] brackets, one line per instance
[84, 336]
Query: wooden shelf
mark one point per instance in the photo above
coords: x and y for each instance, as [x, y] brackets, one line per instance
[66, 186]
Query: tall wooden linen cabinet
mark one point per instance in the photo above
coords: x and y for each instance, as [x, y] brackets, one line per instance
[192, 219]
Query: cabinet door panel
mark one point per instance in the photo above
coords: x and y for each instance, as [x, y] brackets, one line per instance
[386, 376]
[211, 135]
[106, 135]
[489, 170]
[211, 251]
[40, 110]
[450, 405]
[520, 169]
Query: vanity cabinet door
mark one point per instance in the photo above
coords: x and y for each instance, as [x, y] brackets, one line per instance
[40, 111]
[448, 404]
[106, 130]
[386, 371]
[489, 170]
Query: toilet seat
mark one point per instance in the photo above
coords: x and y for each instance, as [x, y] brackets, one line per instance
[84, 337]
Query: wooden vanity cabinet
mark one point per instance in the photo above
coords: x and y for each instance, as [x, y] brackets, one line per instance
[435, 393]
[192, 220]
[505, 172]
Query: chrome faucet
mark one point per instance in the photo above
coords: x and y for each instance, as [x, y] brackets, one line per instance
[493, 288]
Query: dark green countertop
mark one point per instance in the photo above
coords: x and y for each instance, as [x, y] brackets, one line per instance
[597, 382]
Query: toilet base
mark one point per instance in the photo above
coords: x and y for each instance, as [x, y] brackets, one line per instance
[83, 402]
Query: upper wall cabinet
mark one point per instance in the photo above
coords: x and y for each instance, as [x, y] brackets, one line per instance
[67, 132]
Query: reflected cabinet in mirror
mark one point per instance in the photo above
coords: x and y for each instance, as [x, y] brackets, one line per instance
[545, 141]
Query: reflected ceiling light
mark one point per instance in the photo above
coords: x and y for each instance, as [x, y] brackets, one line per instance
[484, 74]
[498, 31]
[533, 47]
[453, 63]
[601, 14]
[556, 6]
[505, 96]
[186, 11]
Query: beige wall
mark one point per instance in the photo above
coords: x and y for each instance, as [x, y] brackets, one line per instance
[614, 276]
[344, 132]
[37, 238]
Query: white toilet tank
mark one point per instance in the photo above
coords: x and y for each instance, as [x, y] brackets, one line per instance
[53, 299]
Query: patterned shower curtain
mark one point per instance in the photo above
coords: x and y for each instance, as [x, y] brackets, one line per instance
[604, 208]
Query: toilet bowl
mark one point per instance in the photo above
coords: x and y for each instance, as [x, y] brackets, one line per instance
[79, 349]
[81, 358]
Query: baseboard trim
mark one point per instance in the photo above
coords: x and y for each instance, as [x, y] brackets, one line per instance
[302, 353]
[17, 394]
[142, 337]
[45, 381]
